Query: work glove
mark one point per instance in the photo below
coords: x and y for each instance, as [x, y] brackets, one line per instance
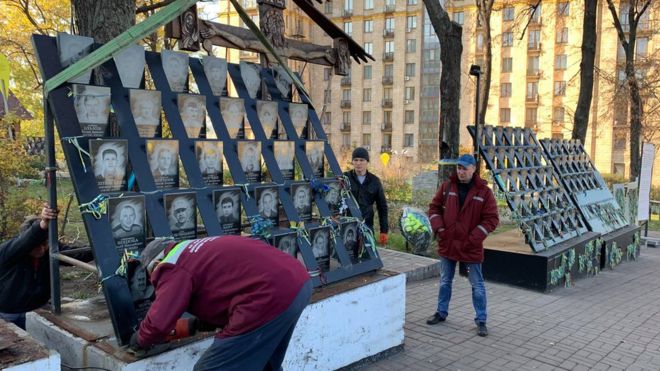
[205, 326]
[383, 239]
[135, 348]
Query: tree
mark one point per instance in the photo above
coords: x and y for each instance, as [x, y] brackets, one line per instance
[631, 16]
[581, 118]
[484, 10]
[451, 47]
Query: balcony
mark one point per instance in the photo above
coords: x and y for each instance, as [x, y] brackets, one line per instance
[346, 81]
[534, 73]
[533, 99]
[385, 149]
[345, 126]
[388, 56]
[347, 13]
[389, 8]
[534, 46]
[345, 103]
[388, 80]
[386, 103]
[388, 33]
[386, 126]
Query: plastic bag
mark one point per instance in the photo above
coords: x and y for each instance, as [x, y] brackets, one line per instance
[415, 227]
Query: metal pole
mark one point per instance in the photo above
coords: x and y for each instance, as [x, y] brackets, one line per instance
[475, 70]
[75, 262]
[53, 246]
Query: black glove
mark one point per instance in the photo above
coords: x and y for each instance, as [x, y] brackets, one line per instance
[135, 348]
[204, 326]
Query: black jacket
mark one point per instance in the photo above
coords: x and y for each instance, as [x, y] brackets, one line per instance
[368, 193]
[24, 281]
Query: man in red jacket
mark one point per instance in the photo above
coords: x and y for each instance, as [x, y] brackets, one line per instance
[462, 214]
[253, 291]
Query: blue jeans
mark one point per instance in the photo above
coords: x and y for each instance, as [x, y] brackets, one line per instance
[447, 269]
[16, 318]
[260, 349]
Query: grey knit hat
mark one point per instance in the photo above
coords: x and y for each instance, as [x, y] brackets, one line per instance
[154, 248]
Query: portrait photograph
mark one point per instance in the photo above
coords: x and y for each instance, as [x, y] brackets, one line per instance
[233, 113]
[71, 49]
[146, 109]
[283, 82]
[298, 113]
[249, 154]
[209, 158]
[287, 242]
[333, 197]
[267, 112]
[250, 73]
[268, 202]
[181, 211]
[215, 70]
[130, 65]
[349, 233]
[128, 220]
[92, 105]
[320, 239]
[109, 161]
[228, 209]
[175, 65]
[314, 152]
[163, 158]
[192, 108]
[285, 156]
[301, 193]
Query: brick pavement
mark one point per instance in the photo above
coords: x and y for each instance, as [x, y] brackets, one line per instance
[607, 322]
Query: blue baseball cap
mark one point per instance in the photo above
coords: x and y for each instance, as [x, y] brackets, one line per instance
[466, 160]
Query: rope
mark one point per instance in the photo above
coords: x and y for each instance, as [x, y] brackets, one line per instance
[97, 207]
[74, 141]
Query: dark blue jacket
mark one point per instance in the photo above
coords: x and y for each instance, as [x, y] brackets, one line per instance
[368, 193]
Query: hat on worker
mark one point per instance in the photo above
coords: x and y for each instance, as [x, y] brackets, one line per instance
[360, 152]
[466, 160]
[153, 249]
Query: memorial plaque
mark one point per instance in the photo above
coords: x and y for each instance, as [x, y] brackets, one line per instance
[314, 152]
[92, 105]
[192, 109]
[299, 114]
[209, 156]
[320, 240]
[333, 197]
[145, 106]
[349, 233]
[227, 203]
[285, 157]
[109, 161]
[215, 70]
[130, 65]
[73, 48]
[164, 162]
[286, 242]
[249, 154]
[181, 215]
[267, 112]
[233, 113]
[283, 81]
[127, 218]
[268, 202]
[175, 65]
[302, 200]
[250, 73]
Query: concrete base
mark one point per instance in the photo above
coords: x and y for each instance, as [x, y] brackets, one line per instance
[20, 352]
[345, 323]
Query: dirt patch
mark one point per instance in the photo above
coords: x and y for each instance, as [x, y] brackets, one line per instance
[77, 283]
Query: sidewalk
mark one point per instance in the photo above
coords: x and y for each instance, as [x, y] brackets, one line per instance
[607, 322]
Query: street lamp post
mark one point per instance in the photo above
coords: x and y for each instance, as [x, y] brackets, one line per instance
[475, 70]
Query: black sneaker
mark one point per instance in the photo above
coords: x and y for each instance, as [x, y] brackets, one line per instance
[435, 319]
[482, 330]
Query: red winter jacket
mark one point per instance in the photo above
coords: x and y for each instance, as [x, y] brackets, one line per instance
[232, 282]
[467, 228]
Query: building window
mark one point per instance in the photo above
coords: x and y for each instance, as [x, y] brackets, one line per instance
[532, 90]
[348, 28]
[409, 117]
[505, 114]
[411, 22]
[388, 71]
[326, 118]
[366, 95]
[558, 114]
[563, 9]
[409, 93]
[560, 61]
[533, 66]
[348, 5]
[508, 14]
[560, 88]
[458, 17]
[480, 42]
[641, 49]
[505, 89]
[368, 4]
[562, 36]
[507, 39]
[410, 69]
[387, 93]
[346, 117]
[530, 117]
[507, 64]
[387, 117]
[346, 94]
[368, 26]
[328, 7]
[412, 2]
[346, 140]
[389, 47]
[534, 40]
[327, 73]
[389, 24]
[411, 46]
[366, 74]
[366, 117]
[327, 96]
[369, 47]
[366, 139]
[408, 140]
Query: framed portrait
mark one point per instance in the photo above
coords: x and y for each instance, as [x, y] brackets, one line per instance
[109, 161]
[251, 75]
[333, 197]
[181, 211]
[71, 49]
[283, 81]
[319, 237]
[268, 202]
[314, 152]
[285, 156]
[286, 242]
[130, 65]
[127, 219]
[163, 158]
[249, 154]
[175, 65]
[301, 193]
[227, 203]
[215, 70]
[349, 233]
[192, 108]
[267, 112]
[298, 113]
[209, 157]
[146, 109]
[92, 105]
[233, 113]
